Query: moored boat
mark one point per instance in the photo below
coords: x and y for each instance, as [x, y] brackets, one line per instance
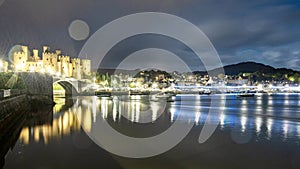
[245, 95]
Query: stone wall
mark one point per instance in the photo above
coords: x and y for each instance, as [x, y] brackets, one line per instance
[37, 83]
[11, 110]
[38, 88]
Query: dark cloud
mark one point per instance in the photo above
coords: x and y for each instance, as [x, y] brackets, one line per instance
[264, 31]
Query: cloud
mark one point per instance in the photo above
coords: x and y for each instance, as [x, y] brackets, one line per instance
[240, 30]
[272, 54]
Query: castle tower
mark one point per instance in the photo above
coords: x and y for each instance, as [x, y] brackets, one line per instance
[86, 67]
[46, 49]
[25, 50]
[64, 63]
[20, 58]
[76, 73]
[58, 52]
[36, 55]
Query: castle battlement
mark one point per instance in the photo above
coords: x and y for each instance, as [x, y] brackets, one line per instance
[51, 62]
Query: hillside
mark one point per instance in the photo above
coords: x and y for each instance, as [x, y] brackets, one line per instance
[257, 72]
[249, 67]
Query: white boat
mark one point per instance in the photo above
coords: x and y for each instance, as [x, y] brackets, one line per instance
[163, 95]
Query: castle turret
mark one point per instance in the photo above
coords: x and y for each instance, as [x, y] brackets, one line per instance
[76, 73]
[46, 49]
[36, 55]
[25, 51]
[20, 58]
[86, 67]
[58, 52]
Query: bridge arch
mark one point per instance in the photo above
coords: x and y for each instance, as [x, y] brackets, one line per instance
[70, 87]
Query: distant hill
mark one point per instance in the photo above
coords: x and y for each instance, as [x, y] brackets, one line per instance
[257, 72]
[234, 69]
[248, 67]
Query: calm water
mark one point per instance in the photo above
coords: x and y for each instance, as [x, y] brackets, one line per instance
[259, 132]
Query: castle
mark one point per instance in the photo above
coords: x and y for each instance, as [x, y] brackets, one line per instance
[51, 62]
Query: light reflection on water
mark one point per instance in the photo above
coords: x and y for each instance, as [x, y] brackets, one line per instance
[263, 116]
[264, 128]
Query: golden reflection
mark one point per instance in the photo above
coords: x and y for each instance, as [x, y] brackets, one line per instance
[155, 108]
[104, 108]
[243, 123]
[61, 125]
[94, 109]
[197, 117]
[121, 107]
[270, 101]
[137, 111]
[258, 122]
[286, 99]
[259, 101]
[60, 102]
[134, 111]
[285, 128]
[222, 119]
[269, 126]
[115, 110]
[36, 135]
[172, 111]
[87, 120]
[223, 102]
[24, 136]
[70, 120]
[244, 105]
[270, 106]
[258, 104]
[298, 130]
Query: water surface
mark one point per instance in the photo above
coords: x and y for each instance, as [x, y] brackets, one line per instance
[259, 132]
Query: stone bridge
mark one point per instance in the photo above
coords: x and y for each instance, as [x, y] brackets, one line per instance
[72, 86]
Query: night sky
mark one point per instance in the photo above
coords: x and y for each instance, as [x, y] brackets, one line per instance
[265, 31]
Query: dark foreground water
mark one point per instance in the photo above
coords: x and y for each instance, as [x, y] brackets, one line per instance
[260, 132]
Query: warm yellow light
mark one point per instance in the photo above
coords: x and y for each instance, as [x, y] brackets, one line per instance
[154, 85]
[270, 85]
[50, 71]
[20, 66]
[24, 136]
[43, 70]
[31, 69]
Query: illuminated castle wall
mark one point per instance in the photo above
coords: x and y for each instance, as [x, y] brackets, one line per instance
[51, 62]
[3, 66]
[20, 58]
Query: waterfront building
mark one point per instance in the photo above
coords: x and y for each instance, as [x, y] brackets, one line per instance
[237, 82]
